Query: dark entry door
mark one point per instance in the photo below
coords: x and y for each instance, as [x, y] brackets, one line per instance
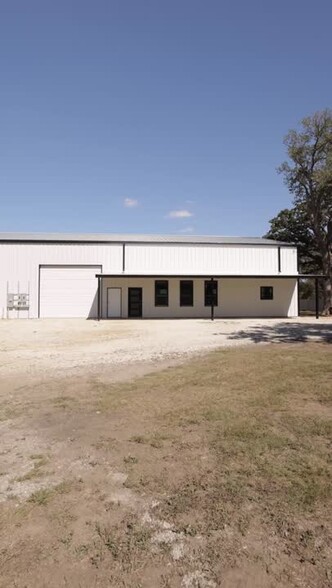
[134, 302]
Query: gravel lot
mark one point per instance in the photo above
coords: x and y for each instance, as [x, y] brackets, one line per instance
[73, 345]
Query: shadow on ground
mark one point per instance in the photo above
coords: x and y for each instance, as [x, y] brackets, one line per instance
[285, 333]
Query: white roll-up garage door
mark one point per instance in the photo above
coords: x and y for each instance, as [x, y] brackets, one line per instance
[68, 291]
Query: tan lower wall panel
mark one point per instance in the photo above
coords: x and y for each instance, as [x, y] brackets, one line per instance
[236, 298]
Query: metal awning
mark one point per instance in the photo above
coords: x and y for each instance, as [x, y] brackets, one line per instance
[208, 276]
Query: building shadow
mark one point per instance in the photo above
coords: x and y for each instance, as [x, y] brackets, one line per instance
[285, 333]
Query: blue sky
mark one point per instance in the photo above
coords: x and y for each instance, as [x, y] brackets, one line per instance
[154, 116]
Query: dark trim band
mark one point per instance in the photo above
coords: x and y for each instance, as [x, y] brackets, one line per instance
[208, 276]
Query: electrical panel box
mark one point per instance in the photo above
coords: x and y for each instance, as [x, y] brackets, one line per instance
[18, 301]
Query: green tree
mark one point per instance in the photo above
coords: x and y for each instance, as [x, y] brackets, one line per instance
[291, 226]
[308, 176]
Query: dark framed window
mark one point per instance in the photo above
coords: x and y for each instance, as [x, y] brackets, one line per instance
[266, 293]
[186, 293]
[161, 293]
[210, 293]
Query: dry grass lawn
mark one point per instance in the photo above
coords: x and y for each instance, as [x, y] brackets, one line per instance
[213, 473]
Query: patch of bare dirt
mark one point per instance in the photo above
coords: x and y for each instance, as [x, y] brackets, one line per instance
[212, 473]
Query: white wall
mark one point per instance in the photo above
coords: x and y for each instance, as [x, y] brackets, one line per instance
[208, 259]
[19, 271]
[242, 298]
[19, 267]
[288, 258]
[236, 297]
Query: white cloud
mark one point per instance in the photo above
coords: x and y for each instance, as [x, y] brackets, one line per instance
[186, 230]
[130, 203]
[180, 214]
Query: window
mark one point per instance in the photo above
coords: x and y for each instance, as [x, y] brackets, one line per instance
[210, 293]
[161, 293]
[266, 293]
[186, 293]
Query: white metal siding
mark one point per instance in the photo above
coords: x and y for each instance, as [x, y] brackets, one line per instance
[19, 263]
[68, 292]
[19, 267]
[201, 259]
[288, 260]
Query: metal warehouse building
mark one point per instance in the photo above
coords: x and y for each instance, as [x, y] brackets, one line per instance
[128, 276]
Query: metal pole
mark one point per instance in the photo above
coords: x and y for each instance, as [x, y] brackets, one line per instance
[316, 298]
[212, 300]
[98, 294]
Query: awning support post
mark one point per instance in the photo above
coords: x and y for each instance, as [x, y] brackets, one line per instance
[317, 298]
[98, 296]
[212, 300]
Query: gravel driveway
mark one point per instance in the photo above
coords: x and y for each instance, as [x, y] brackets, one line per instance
[72, 345]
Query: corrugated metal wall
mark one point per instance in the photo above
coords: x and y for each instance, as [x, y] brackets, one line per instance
[19, 263]
[19, 267]
[206, 259]
[288, 259]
